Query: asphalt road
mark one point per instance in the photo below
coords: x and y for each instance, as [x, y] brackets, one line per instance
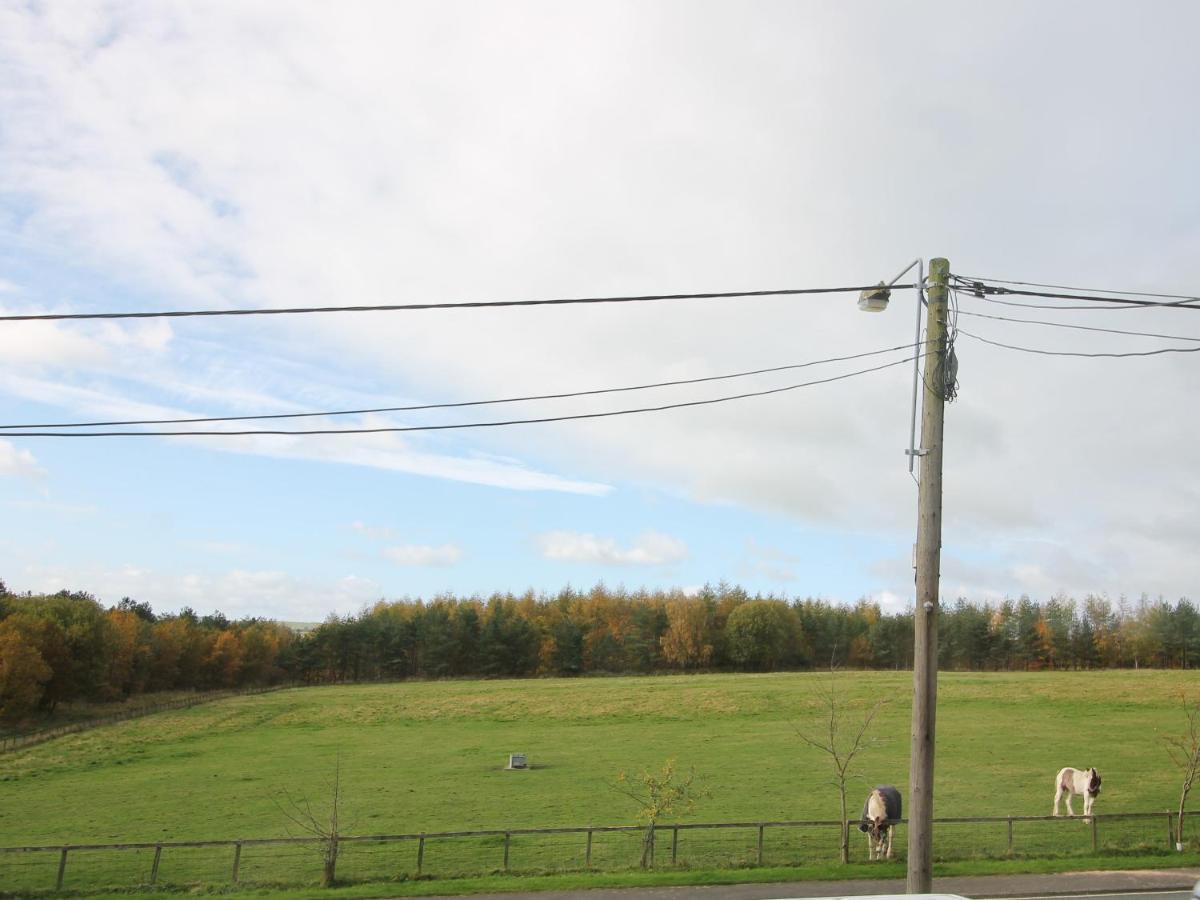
[1157, 884]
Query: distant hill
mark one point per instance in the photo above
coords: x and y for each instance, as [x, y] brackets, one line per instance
[301, 627]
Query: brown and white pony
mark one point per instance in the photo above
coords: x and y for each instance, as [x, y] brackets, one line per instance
[1071, 782]
[881, 811]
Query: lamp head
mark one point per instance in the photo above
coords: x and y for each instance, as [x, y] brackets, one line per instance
[874, 299]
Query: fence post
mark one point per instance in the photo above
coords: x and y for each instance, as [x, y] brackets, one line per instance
[1010, 839]
[652, 845]
[420, 852]
[587, 859]
[154, 865]
[674, 844]
[1095, 836]
[1170, 834]
[507, 839]
[237, 861]
[760, 842]
[62, 868]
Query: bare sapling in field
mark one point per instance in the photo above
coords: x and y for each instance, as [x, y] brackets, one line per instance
[841, 736]
[659, 794]
[1185, 753]
[324, 825]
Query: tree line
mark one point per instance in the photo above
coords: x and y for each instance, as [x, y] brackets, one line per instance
[68, 646]
[724, 628]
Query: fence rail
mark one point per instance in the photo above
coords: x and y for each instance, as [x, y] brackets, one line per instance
[600, 847]
[16, 741]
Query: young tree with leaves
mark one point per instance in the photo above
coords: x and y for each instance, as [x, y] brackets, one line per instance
[659, 794]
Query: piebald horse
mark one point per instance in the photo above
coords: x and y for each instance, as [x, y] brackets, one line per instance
[881, 811]
[1072, 782]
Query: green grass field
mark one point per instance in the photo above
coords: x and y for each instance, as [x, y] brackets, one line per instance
[430, 756]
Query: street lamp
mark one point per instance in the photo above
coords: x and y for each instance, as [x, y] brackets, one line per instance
[876, 300]
[927, 558]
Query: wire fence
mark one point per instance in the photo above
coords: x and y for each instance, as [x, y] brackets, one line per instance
[29, 738]
[294, 861]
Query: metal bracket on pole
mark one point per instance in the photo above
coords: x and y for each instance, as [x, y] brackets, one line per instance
[920, 452]
[912, 422]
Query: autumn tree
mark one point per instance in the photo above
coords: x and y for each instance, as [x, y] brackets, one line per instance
[23, 672]
[686, 644]
[224, 660]
[658, 795]
[128, 653]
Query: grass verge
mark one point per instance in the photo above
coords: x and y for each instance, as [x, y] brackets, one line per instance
[570, 881]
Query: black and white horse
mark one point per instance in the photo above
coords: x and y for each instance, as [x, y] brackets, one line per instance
[1075, 782]
[880, 812]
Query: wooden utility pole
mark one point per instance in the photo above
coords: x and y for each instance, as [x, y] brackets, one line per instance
[928, 560]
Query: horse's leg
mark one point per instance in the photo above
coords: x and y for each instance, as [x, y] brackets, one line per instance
[1070, 812]
[889, 842]
[1058, 797]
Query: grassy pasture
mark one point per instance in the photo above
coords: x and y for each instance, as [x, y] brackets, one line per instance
[429, 756]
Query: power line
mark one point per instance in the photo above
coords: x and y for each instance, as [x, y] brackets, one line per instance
[408, 428]
[1073, 353]
[1173, 337]
[1057, 307]
[465, 403]
[984, 291]
[1067, 287]
[408, 307]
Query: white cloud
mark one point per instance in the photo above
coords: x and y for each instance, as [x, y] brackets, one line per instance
[892, 603]
[237, 593]
[221, 548]
[18, 462]
[651, 549]
[769, 562]
[418, 555]
[57, 508]
[250, 155]
[373, 531]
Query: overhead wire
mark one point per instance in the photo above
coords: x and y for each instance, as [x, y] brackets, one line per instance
[987, 291]
[1153, 334]
[1067, 287]
[459, 404]
[949, 387]
[950, 375]
[1080, 353]
[408, 307]
[1057, 307]
[463, 425]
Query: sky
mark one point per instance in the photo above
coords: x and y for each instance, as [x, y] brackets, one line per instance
[170, 155]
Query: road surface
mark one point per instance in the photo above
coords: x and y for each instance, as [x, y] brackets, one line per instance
[1149, 884]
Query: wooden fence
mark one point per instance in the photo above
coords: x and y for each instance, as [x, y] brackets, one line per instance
[715, 844]
[16, 741]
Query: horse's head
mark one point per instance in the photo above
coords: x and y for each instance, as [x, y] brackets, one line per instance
[878, 828]
[1093, 787]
